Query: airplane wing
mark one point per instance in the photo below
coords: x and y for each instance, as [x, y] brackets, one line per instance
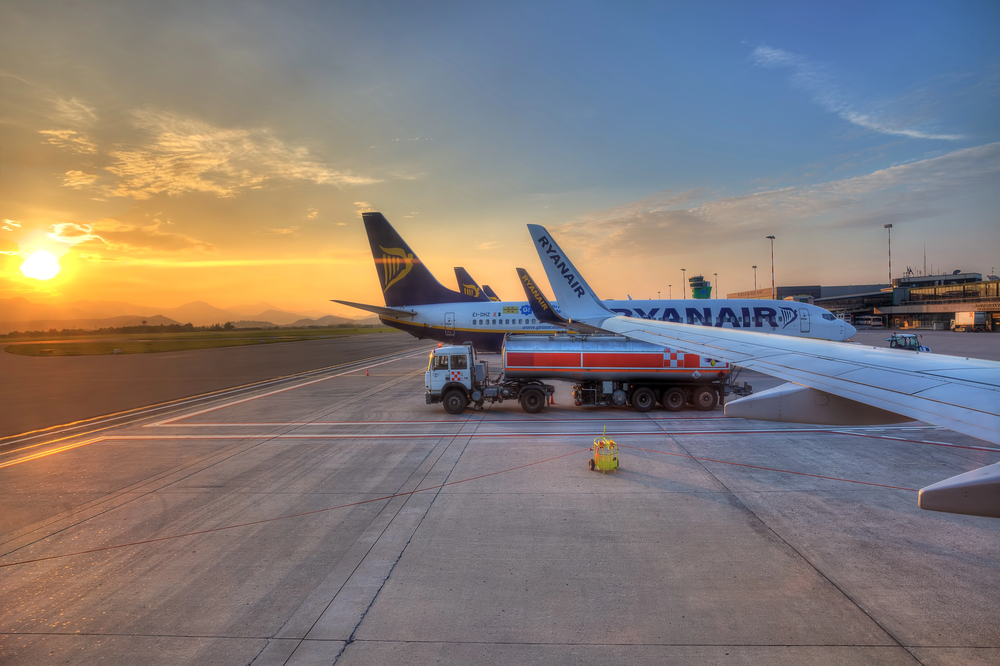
[378, 309]
[837, 383]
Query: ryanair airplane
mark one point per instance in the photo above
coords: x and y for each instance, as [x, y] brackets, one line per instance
[417, 303]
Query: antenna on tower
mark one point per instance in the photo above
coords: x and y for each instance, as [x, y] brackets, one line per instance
[925, 258]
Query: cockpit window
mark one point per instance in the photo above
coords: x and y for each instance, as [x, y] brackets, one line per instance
[828, 316]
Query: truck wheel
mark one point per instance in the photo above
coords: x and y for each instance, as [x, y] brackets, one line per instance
[454, 402]
[643, 399]
[705, 399]
[532, 401]
[674, 399]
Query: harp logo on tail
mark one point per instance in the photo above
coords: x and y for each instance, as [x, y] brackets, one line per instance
[396, 263]
[470, 290]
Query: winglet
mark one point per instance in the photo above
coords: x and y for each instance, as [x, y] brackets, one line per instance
[576, 299]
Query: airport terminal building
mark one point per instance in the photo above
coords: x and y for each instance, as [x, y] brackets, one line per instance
[925, 301]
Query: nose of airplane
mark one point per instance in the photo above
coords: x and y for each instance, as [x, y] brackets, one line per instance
[849, 331]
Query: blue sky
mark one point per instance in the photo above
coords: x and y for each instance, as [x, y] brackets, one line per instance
[223, 151]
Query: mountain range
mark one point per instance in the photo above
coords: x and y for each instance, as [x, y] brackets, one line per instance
[20, 314]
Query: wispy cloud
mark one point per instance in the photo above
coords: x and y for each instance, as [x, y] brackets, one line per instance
[815, 80]
[188, 155]
[489, 245]
[10, 225]
[78, 179]
[906, 192]
[70, 140]
[290, 231]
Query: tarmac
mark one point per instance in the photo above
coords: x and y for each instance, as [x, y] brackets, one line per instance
[334, 518]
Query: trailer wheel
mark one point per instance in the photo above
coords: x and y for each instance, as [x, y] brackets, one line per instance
[643, 399]
[532, 401]
[454, 401]
[705, 399]
[674, 399]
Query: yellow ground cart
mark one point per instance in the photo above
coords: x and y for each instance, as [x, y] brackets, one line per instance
[605, 454]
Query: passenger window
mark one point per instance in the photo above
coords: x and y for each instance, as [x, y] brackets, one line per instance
[440, 362]
[459, 363]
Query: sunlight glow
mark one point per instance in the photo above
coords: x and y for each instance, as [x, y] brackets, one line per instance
[41, 266]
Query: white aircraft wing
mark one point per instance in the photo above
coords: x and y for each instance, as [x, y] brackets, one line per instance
[834, 382]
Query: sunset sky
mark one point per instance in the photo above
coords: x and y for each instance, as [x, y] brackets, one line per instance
[172, 152]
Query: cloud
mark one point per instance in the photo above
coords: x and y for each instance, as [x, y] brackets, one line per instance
[123, 237]
[489, 245]
[905, 192]
[10, 225]
[290, 231]
[363, 207]
[311, 214]
[78, 179]
[70, 140]
[75, 111]
[814, 80]
[71, 233]
[188, 155]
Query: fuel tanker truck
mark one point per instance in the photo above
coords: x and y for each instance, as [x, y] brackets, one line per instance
[605, 369]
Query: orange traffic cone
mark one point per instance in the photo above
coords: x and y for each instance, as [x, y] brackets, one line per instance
[366, 372]
[552, 399]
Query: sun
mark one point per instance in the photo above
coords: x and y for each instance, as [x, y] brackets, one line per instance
[41, 266]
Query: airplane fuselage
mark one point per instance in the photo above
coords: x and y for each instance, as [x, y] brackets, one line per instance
[485, 323]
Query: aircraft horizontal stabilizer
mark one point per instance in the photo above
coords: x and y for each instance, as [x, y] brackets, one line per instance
[380, 310]
[791, 403]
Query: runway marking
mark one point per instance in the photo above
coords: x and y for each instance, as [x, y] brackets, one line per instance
[292, 515]
[49, 452]
[769, 469]
[282, 390]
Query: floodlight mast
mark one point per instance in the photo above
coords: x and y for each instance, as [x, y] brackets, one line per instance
[774, 294]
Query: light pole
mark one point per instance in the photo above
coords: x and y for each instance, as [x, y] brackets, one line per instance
[716, 275]
[684, 282]
[670, 293]
[888, 230]
[774, 295]
[657, 294]
[754, 267]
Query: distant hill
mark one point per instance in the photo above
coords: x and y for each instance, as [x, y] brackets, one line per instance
[20, 314]
[328, 320]
[85, 324]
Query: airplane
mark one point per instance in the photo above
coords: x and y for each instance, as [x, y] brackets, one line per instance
[417, 303]
[470, 287]
[829, 382]
[489, 292]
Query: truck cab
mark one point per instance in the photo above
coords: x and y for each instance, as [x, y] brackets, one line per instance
[456, 378]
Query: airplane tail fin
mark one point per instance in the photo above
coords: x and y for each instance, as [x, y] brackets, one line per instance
[492, 295]
[468, 286]
[576, 299]
[404, 279]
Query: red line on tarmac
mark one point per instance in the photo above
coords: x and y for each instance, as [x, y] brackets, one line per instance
[769, 469]
[293, 515]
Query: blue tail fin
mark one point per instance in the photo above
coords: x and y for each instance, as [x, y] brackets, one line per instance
[468, 286]
[490, 293]
[404, 279]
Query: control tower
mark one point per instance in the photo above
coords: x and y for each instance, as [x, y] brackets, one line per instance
[700, 287]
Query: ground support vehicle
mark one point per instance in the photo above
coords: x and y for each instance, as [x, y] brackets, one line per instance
[614, 370]
[909, 341]
[456, 378]
[969, 321]
[606, 369]
[605, 454]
